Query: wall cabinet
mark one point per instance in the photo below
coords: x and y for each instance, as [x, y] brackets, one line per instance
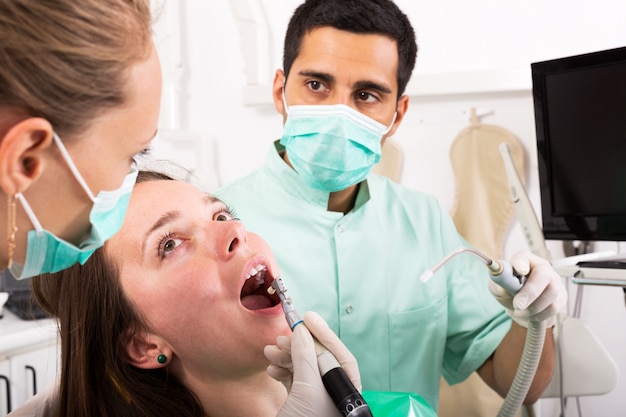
[28, 359]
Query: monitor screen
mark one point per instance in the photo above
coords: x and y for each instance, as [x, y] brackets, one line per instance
[580, 119]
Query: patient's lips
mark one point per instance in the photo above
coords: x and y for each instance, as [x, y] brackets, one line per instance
[254, 294]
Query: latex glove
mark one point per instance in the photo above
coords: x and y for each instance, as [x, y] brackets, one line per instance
[294, 363]
[541, 298]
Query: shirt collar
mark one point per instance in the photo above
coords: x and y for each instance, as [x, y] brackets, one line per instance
[293, 184]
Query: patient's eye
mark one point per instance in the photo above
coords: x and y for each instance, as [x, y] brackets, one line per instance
[171, 244]
[224, 213]
[223, 217]
[168, 244]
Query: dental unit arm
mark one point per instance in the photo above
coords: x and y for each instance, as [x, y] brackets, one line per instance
[503, 274]
[344, 394]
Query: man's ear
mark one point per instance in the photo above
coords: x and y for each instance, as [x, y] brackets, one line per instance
[277, 92]
[143, 352]
[401, 108]
[22, 154]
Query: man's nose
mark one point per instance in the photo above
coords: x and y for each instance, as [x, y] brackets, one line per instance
[343, 96]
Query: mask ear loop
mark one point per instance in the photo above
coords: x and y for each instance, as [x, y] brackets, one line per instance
[284, 99]
[70, 164]
[395, 114]
[29, 212]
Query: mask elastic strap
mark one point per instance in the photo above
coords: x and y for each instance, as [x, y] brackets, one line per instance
[70, 164]
[395, 114]
[29, 212]
[284, 99]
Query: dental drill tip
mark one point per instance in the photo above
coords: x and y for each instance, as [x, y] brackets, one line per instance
[271, 290]
[277, 285]
[426, 276]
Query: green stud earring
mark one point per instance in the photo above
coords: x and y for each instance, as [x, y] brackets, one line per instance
[161, 358]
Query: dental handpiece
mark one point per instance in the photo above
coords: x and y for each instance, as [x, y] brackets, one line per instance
[344, 394]
[502, 273]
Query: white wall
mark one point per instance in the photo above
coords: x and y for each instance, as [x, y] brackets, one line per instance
[457, 38]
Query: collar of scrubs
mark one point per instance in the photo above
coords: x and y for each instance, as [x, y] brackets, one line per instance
[292, 184]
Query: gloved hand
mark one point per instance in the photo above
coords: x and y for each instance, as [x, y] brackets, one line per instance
[294, 363]
[541, 298]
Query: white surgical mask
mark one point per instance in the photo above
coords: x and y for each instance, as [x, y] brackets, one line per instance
[47, 252]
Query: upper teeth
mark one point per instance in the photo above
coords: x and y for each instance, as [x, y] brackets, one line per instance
[255, 272]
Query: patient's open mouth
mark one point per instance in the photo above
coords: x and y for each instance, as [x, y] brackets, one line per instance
[254, 295]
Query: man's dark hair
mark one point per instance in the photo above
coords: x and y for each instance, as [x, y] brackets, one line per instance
[382, 17]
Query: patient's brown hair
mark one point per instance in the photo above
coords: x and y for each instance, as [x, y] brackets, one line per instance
[95, 322]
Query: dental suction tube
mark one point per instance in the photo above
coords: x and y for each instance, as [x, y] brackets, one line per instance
[503, 274]
[344, 394]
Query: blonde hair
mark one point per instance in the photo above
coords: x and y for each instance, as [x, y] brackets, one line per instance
[67, 60]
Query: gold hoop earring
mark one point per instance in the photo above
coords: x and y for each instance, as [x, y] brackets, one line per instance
[11, 226]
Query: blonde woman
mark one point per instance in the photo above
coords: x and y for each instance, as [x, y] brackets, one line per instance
[80, 89]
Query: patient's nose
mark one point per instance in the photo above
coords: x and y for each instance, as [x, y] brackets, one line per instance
[232, 235]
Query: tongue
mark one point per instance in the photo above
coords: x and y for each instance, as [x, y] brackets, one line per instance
[256, 302]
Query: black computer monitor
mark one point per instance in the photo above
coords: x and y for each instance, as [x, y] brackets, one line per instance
[580, 118]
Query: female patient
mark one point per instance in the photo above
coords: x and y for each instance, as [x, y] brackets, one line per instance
[171, 317]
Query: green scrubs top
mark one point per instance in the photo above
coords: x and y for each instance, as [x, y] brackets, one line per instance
[360, 272]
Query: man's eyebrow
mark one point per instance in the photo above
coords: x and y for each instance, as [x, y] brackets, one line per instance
[371, 85]
[367, 84]
[324, 76]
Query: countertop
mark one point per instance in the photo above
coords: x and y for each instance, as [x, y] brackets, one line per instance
[17, 335]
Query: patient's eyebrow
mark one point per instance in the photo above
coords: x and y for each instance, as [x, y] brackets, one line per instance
[209, 199]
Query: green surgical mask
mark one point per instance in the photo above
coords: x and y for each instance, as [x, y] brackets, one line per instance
[47, 252]
[332, 147]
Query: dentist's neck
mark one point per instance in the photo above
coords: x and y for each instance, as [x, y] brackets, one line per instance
[343, 201]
